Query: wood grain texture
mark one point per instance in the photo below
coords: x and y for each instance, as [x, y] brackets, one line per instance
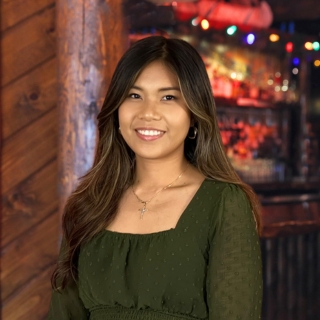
[28, 45]
[28, 256]
[29, 202]
[90, 40]
[14, 11]
[29, 220]
[32, 302]
[291, 277]
[115, 39]
[30, 149]
[290, 219]
[29, 98]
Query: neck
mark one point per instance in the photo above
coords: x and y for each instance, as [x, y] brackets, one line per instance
[155, 174]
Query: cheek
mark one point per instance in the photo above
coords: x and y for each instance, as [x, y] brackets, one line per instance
[186, 120]
[124, 116]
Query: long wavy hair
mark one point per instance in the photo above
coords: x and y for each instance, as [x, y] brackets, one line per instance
[93, 205]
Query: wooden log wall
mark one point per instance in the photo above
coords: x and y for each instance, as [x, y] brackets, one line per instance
[29, 219]
[30, 80]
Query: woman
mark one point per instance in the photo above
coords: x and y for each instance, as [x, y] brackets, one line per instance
[161, 227]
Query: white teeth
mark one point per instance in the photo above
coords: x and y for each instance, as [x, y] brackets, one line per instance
[149, 132]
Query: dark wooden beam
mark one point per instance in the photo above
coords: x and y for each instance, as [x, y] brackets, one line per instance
[91, 39]
[284, 10]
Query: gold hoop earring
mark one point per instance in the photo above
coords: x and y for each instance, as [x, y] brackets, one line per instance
[195, 132]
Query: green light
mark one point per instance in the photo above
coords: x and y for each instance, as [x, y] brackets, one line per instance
[231, 30]
[316, 46]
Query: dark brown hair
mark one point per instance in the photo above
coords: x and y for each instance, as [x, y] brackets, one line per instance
[93, 204]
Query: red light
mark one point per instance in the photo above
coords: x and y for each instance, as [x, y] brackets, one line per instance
[289, 47]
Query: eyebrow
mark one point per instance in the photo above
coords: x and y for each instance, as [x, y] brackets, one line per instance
[161, 89]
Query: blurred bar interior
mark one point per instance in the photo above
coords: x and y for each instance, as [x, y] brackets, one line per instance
[263, 61]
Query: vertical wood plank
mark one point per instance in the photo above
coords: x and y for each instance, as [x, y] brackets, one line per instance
[317, 278]
[309, 275]
[302, 310]
[281, 283]
[291, 272]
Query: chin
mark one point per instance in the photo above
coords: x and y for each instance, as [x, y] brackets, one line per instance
[158, 155]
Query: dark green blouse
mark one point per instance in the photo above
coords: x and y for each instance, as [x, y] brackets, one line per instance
[207, 267]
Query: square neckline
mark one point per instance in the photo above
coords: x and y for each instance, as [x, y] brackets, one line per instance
[182, 216]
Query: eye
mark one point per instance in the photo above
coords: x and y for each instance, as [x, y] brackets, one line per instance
[168, 98]
[133, 96]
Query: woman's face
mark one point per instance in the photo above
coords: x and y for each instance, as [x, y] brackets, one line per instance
[154, 119]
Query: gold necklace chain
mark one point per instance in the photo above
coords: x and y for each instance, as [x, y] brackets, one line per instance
[144, 203]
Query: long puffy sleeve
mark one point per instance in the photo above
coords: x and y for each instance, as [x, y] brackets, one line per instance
[234, 281]
[66, 303]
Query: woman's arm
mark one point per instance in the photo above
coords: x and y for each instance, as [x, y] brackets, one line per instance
[234, 282]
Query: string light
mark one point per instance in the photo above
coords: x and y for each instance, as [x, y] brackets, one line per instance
[205, 24]
[195, 21]
[231, 30]
[295, 70]
[296, 61]
[316, 46]
[250, 38]
[308, 45]
[289, 47]
[317, 63]
[274, 37]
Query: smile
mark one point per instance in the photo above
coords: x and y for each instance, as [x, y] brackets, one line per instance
[150, 132]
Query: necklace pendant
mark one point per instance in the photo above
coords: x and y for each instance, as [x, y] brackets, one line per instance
[143, 210]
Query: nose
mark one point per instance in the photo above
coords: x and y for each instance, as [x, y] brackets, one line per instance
[149, 111]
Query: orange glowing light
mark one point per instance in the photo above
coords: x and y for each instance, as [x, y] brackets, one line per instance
[308, 46]
[317, 63]
[274, 37]
[205, 24]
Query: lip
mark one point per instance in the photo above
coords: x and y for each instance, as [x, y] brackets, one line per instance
[149, 138]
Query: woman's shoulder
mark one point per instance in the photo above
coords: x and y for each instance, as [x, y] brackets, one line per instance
[229, 203]
[216, 192]
[214, 185]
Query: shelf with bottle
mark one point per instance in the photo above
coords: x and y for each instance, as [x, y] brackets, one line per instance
[251, 77]
[256, 142]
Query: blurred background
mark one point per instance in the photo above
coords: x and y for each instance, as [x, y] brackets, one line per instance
[263, 61]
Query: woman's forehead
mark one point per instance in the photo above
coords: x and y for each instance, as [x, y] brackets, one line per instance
[157, 73]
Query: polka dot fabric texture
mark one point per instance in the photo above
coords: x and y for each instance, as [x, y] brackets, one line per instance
[207, 267]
